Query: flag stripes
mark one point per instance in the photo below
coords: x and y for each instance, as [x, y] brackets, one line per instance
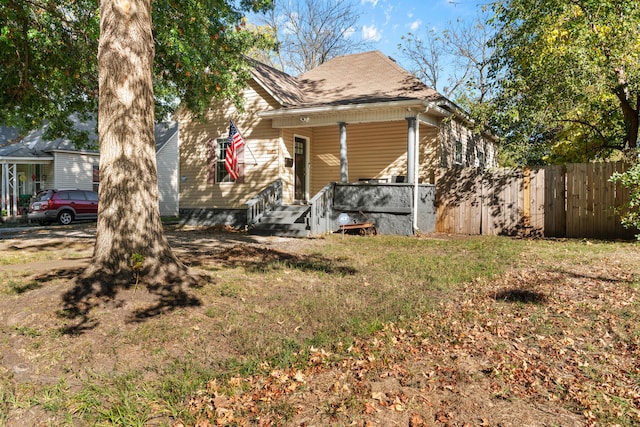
[234, 143]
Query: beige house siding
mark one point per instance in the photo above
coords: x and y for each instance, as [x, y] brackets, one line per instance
[428, 160]
[473, 147]
[374, 150]
[263, 155]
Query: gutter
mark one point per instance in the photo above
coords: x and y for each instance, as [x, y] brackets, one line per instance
[424, 106]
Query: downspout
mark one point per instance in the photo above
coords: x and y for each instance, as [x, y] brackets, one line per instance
[411, 150]
[416, 159]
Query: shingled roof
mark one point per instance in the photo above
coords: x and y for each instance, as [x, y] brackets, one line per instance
[351, 79]
[360, 78]
[34, 146]
[280, 85]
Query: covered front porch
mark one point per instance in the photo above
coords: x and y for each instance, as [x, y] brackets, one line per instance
[391, 208]
[381, 154]
[20, 179]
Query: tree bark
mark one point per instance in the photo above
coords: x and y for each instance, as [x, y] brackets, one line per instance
[129, 221]
[630, 114]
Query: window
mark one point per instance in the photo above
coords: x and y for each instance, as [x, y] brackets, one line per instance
[91, 196]
[76, 195]
[458, 154]
[217, 153]
[481, 159]
[221, 151]
[96, 178]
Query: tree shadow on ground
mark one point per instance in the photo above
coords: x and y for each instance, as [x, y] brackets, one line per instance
[519, 295]
[259, 260]
[79, 302]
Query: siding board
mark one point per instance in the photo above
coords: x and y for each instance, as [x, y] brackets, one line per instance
[263, 155]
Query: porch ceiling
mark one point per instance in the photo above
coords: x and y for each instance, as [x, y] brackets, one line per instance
[323, 115]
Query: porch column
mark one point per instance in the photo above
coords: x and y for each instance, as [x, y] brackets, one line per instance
[344, 166]
[13, 171]
[411, 150]
[5, 186]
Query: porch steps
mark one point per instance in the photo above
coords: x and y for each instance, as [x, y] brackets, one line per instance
[286, 221]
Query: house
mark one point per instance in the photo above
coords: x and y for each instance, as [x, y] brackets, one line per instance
[31, 163]
[357, 119]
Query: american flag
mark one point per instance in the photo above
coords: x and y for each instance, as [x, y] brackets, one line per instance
[234, 143]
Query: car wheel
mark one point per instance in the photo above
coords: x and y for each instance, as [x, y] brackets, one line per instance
[65, 217]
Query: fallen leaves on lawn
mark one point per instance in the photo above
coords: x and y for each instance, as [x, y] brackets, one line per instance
[543, 337]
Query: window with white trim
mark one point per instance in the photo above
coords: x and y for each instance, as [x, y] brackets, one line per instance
[458, 152]
[217, 154]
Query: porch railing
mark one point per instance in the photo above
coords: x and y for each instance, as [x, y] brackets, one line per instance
[263, 201]
[321, 211]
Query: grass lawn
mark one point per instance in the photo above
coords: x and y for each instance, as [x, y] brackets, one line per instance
[383, 330]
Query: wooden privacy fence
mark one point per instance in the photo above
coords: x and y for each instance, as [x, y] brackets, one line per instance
[575, 200]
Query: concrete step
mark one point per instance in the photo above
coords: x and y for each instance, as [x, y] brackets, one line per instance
[283, 230]
[288, 221]
[284, 217]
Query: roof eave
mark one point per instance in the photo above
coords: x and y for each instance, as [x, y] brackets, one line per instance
[27, 160]
[256, 77]
[415, 105]
[69, 151]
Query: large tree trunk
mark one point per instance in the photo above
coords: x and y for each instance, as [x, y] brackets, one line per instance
[129, 222]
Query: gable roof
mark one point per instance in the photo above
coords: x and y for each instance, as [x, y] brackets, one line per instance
[34, 146]
[280, 85]
[361, 78]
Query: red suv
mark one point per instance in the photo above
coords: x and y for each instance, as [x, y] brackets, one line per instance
[63, 206]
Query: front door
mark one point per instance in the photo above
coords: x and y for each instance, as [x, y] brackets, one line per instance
[300, 169]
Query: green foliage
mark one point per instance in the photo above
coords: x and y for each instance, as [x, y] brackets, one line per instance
[48, 51]
[630, 179]
[569, 78]
[137, 262]
[48, 55]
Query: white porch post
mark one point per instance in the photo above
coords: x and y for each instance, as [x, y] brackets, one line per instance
[411, 150]
[5, 183]
[344, 165]
[14, 183]
[10, 188]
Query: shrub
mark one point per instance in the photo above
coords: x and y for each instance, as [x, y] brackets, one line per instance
[631, 179]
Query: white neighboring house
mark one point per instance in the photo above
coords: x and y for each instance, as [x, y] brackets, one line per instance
[31, 163]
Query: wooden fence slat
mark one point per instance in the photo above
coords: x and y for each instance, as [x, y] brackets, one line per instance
[536, 208]
[575, 200]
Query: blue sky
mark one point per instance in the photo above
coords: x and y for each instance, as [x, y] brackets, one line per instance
[384, 22]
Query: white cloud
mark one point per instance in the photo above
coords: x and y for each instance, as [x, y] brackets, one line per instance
[373, 2]
[387, 14]
[349, 32]
[371, 33]
[415, 25]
